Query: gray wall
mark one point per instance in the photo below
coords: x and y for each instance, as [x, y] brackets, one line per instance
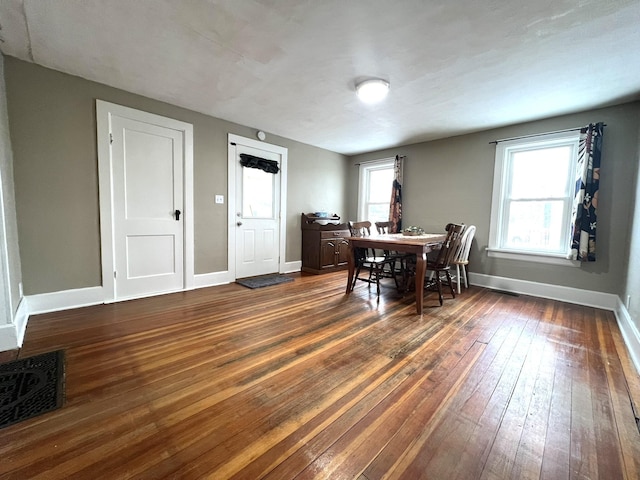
[633, 272]
[52, 125]
[53, 132]
[451, 180]
[11, 274]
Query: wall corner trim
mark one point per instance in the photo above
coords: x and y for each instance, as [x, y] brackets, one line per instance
[21, 319]
[8, 337]
[12, 334]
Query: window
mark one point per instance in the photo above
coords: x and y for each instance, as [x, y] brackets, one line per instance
[374, 195]
[533, 192]
[257, 193]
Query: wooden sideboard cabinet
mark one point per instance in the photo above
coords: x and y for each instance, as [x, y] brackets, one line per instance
[325, 246]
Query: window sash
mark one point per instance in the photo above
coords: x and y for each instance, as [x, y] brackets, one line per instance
[365, 205]
[562, 243]
[503, 200]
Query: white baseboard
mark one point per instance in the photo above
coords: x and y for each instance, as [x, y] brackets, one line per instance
[64, 300]
[212, 279]
[12, 335]
[629, 332]
[589, 298]
[49, 302]
[292, 267]
[225, 277]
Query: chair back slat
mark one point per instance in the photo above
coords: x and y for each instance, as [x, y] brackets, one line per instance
[360, 229]
[384, 227]
[462, 253]
[450, 245]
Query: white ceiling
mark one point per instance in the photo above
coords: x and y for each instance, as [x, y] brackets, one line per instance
[289, 67]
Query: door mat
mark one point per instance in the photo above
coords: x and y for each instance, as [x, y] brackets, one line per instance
[263, 281]
[30, 387]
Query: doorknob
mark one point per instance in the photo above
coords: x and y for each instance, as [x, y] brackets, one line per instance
[177, 212]
[239, 224]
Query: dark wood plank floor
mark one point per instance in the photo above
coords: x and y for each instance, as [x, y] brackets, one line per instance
[300, 381]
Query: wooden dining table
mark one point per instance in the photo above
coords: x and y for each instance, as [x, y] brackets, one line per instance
[420, 245]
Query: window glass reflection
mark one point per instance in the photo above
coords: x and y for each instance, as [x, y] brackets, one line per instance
[257, 193]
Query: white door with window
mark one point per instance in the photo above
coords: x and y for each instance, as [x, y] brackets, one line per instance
[147, 172]
[256, 208]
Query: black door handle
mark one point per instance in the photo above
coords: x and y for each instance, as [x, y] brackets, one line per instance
[178, 212]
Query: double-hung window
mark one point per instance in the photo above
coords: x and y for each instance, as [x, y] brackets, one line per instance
[374, 193]
[533, 191]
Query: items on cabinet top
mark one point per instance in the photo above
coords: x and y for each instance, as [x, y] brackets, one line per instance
[324, 221]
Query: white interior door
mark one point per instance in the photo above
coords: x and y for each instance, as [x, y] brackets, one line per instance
[257, 215]
[145, 174]
[148, 220]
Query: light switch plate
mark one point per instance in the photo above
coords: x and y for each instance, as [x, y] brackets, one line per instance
[219, 198]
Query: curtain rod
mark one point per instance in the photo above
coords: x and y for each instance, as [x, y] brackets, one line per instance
[379, 160]
[540, 134]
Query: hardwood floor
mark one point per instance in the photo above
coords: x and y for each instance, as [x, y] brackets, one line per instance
[301, 381]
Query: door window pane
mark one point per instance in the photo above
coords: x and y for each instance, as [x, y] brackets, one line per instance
[257, 193]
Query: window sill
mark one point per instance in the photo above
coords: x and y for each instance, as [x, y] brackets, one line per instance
[533, 257]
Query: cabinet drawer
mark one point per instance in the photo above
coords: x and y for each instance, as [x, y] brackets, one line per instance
[335, 234]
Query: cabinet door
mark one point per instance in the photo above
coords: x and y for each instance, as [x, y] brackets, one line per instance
[342, 251]
[327, 253]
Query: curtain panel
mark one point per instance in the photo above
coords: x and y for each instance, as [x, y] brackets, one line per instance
[395, 207]
[587, 181]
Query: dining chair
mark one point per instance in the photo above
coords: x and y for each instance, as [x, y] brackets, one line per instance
[401, 258]
[368, 259]
[441, 265]
[461, 257]
[383, 227]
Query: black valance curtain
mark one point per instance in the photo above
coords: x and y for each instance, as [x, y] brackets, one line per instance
[249, 161]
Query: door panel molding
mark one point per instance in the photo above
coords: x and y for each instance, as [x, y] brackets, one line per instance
[105, 112]
[234, 142]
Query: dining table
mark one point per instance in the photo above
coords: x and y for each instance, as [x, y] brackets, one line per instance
[419, 245]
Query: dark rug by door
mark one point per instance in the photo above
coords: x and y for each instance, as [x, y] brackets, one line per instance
[31, 386]
[263, 280]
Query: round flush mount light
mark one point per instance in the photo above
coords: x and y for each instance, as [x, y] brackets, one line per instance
[261, 135]
[373, 90]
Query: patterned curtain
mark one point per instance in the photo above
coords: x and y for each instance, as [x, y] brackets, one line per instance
[585, 204]
[395, 207]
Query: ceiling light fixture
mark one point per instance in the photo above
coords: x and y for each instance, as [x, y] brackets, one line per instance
[372, 90]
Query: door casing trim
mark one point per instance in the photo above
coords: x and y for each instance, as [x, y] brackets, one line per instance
[234, 141]
[104, 113]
